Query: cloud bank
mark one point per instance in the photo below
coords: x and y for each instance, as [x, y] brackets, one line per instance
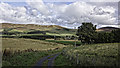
[67, 15]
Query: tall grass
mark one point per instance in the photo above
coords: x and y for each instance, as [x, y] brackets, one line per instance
[93, 55]
[61, 60]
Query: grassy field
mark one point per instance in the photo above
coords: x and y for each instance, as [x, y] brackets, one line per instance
[25, 58]
[24, 44]
[26, 52]
[85, 55]
[66, 42]
[54, 34]
[92, 55]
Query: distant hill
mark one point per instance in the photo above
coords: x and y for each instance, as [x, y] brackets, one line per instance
[107, 29]
[55, 29]
[49, 29]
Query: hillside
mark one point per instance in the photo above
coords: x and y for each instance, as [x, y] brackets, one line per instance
[107, 29]
[50, 29]
[92, 55]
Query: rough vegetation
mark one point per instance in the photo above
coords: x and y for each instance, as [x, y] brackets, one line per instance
[91, 55]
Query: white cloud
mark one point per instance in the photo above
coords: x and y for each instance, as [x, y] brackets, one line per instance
[40, 6]
[110, 26]
[103, 0]
[79, 12]
[103, 19]
[60, 0]
[12, 14]
[68, 15]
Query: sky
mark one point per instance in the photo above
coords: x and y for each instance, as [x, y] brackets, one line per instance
[70, 14]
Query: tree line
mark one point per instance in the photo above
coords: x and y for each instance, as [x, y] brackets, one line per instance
[87, 34]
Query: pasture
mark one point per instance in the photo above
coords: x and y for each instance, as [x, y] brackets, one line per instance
[24, 44]
[93, 55]
[26, 52]
[66, 42]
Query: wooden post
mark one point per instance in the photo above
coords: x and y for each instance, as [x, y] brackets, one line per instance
[75, 42]
[54, 37]
[75, 37]
[77, 58]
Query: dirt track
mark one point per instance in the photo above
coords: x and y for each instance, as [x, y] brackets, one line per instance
[50, 60]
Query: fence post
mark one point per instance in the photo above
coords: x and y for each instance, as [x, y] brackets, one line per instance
[77, 58]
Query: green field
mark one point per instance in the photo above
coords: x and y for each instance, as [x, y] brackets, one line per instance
[66, 42]
[92, 55]
[25, 58]
[26, 52]
[84, 55]
[24, 44]
[62, 34]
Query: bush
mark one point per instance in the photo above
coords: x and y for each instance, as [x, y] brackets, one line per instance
[7, 52]
[42, 37]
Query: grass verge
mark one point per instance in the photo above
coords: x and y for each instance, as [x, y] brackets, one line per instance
[61, 60]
